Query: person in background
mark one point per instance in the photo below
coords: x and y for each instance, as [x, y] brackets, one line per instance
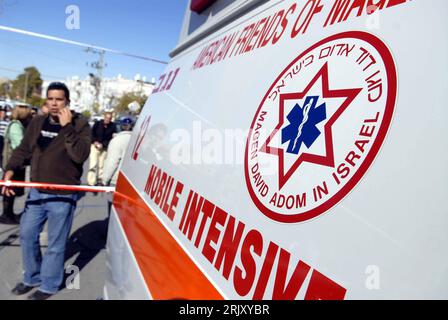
[3, 124]
[34, 111]
[116, 150]
[102, 133]
[8, 112]
[14, 133]
[115, 154]
[57, 146]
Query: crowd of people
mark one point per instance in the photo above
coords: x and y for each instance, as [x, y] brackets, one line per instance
[55, 142]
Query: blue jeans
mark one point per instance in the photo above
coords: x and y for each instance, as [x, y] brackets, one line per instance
[47, 271]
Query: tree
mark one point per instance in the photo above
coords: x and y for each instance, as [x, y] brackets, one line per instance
[36, 101]
[127, 98]
[96, 108]
[5, 89]
[87, 114]
[27, 85]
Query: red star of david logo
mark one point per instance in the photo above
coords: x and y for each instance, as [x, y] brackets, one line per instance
[328, 158]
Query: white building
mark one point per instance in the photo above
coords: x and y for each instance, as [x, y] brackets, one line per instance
[83, 94]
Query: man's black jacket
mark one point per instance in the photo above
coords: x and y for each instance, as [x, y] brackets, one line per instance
[61, 162]
[103, 134]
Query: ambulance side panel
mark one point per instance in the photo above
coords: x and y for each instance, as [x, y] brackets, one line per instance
[199, 212]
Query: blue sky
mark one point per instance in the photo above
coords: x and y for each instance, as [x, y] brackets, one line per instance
[143, 27]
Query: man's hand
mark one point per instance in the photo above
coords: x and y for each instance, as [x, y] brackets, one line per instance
[65, 116]
[99, 146]
[5, 190]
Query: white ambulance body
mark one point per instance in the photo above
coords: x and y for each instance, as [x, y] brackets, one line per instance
[291, 150]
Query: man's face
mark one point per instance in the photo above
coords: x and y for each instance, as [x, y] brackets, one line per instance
[107, 118]
[2, 114]
[56, 101]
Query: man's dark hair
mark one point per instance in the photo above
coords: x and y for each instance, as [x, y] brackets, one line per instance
[59, 86]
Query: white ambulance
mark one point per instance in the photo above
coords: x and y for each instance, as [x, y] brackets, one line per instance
[291, 150]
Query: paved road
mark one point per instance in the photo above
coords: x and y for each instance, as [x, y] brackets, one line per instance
[86, 250]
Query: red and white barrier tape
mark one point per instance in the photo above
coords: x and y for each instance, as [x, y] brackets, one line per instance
[53, 186]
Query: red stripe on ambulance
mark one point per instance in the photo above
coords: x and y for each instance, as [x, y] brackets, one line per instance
[168, 271]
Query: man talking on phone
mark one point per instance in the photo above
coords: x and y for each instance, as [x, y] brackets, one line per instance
[56, 144]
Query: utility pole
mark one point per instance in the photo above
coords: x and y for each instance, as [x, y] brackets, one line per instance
[25, 90]
[99, 66]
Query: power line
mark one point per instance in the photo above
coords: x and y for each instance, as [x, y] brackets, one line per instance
[26, 48]
[85, 45]
[21, 71]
